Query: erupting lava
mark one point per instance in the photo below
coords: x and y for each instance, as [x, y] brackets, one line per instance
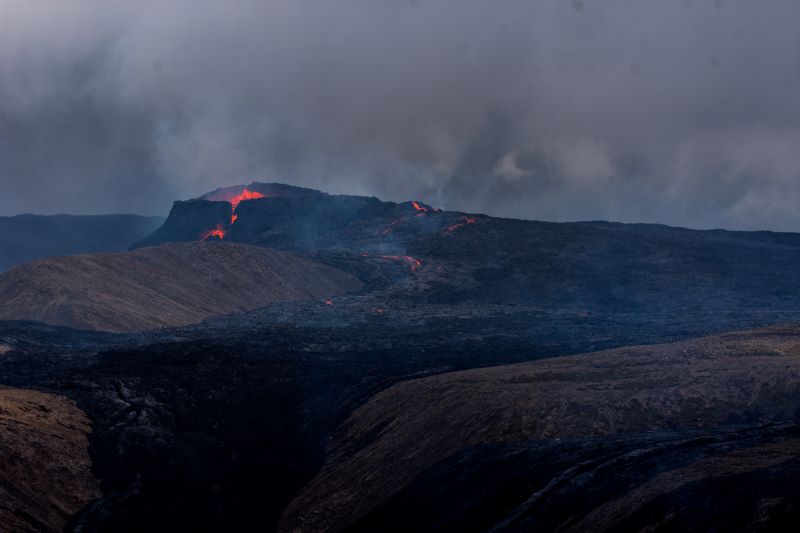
[246, 194]
[219, 232]
[388, 229]
[465, 220]
[413, 264]
[422, 210]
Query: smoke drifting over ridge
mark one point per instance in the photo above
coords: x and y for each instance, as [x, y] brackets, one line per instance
[677, 112]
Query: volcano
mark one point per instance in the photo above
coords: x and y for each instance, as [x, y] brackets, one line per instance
[293, 218]
[332, 362]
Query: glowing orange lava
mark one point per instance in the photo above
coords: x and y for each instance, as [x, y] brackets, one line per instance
[246, 194]
[465, 221]
[389, 227]
[413, 264]
[422, 210]
[217, 232]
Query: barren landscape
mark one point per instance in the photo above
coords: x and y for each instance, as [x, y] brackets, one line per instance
[45, 469]
[400, 266]
[170, 285]
[353, 374]
[705, 388]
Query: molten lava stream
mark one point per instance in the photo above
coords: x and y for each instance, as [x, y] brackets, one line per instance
[389, 227]
[466, 220]
[217, 232]
[246, 194]
[412, 263]
[422, 210]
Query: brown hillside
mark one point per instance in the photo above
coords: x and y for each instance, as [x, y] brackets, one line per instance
[411, 426]
[168, 285]
[45, 470]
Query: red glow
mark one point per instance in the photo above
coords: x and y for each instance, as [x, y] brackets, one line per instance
[328, 302]
[389, 227]
[217, 232]
[410, 262]
[422, 210]
[465, 221]
[246, 194]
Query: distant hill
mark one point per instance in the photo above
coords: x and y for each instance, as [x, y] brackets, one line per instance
[169, 285]
[27, 237]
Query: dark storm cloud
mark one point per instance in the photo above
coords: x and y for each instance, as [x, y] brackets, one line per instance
[635, 110]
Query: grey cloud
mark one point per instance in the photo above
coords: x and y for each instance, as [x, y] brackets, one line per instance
[676, 112]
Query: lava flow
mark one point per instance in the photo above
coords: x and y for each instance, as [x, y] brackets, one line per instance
[413, 264]
[388, 228]
[465, 220]
[219, 232]
[422, 210]
[246, 194]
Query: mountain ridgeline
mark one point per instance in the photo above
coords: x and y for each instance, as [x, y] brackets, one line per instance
[29, 237]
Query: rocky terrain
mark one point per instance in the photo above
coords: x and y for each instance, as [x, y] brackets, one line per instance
[585, 267]
[222, 424]
[657, 393]
[29, 237]
[163, 286]
[45, 474]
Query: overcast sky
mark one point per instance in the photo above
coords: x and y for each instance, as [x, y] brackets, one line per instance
[685, 112]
